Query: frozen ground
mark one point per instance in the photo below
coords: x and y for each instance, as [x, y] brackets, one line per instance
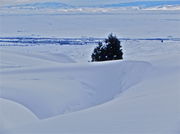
[51, 88]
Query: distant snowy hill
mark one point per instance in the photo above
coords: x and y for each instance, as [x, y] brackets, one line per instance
[56, 6]
[143, 4]
[40, 5]
[168, 7]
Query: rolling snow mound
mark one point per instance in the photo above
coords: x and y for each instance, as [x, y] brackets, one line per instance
[69, 87]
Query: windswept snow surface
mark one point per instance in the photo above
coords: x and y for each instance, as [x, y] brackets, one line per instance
[128, 24]
[69, 87]
[13, 114]
[66, 95]
[52, 88]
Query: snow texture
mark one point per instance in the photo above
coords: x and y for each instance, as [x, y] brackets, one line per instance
[50, 88]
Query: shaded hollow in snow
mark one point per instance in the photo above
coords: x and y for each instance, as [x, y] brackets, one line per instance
[64, 88]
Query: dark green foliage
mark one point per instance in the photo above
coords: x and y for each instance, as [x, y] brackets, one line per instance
[110, 50]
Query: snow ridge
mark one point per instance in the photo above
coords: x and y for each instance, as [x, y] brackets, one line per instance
[74, 87]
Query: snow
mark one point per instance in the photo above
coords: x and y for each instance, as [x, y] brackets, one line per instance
[148, 107]
[51, 88]
[15, 113]
[55, 6]
[86, 82]
[169, 7]
[132, 24]
[138, 95]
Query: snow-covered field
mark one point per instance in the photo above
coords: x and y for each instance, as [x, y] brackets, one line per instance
[50, 88]
[127, 24]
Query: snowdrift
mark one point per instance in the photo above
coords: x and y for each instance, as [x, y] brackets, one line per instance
[16, 115]
[152, 106]
[63, 88]
[41, 93]
[49, 88]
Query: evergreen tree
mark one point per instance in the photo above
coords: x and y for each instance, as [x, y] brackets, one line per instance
[109, 50]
